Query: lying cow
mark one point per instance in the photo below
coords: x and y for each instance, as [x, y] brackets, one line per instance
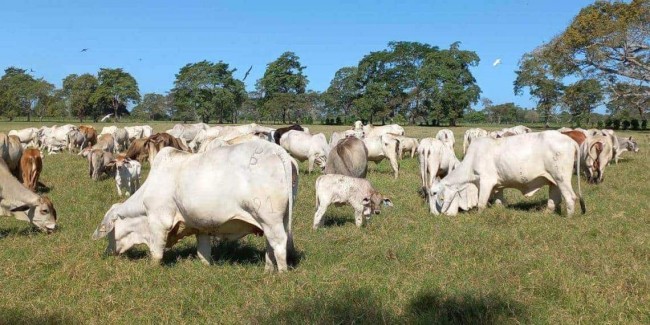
[356, 192]
[472, 134]
[31, 165]
[525, 162]
[226, 192]
[447, 137]
[127, 174]
[23, 204]
[384, 147]
[349, 157]
[303, 146]
[27, 136]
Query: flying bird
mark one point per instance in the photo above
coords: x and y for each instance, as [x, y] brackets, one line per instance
[496, 62]
[106, 117]
[84, 50]
[247, 72]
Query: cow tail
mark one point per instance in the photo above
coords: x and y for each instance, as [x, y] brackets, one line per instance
[288, 171]
[34, 175]
[583, 207]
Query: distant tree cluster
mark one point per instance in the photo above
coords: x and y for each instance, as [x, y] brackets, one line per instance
[602, 57]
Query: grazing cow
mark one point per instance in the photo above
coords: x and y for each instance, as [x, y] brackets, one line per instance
[407, 144]
[625, 144]
[349, 157]
[137, 150]
[280, 131]
[31, 165]
[187, 131]
[614, 140]
[121, 138]
[303, 146]
[472, 134]
[436, 161]
[525, 162]
[577, 136]
[108, 130]
[27, 136]
[447, 137]
[138, 132]
[23, 204]
[76, 140]
[341, 189]
[105, 142]
[89, 133]
[160, 140]
[227, 192]
[384, 147]
[127, 174]
[10, 151]
[370, 131]
[596, 152]
[98, 163]
[57, 139]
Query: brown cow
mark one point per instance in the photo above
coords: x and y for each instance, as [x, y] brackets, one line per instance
[31, 165]
[137, 150]
[577, 136]
[89, 133]
[161, 140]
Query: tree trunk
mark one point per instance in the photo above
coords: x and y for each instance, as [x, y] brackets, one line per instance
[452, 122]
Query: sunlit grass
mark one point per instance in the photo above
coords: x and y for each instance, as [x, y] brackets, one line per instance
[506, 265]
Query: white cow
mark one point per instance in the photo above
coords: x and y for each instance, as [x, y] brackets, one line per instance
[187, 132]
[227, 192]
[138, 131]
[515, 130]
[127, 174]
[383, 147]
[303, 146]
[447, 137]
[211, 143]
[472, 134]
[525, 162]
[436, 161]
[340, 189]
[407, 144]
[121, 138]
[27, 136]
[108, 130]
[23, 204]
[338, 136]
[625, 144]
[57, 137]
[596, 153]
[370, 131]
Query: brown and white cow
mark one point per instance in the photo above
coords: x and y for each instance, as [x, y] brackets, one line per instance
[31, 165]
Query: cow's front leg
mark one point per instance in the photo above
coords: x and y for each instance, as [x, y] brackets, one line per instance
[204, 248]
[119, 190]
[310, 165]
[320, 212]
[485, 190]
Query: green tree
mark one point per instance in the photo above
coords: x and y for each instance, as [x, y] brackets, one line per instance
[205, 90]
[152, 107]
[535, 74]
[79, 92]
[342, 92]
[20, 93]
[283, 77]
[116, 90]
[581, 98]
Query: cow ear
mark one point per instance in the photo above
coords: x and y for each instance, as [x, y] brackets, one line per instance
[20, 208]
[366, 200]
[111, 163]
[387, 202]
[105, 228]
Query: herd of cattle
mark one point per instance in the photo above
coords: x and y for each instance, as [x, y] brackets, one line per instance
[230, 181]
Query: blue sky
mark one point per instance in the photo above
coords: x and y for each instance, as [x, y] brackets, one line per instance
[152, 40]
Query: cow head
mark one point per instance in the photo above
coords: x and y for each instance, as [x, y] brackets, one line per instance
[123, 233]
[449, 198]
[632, 145]
[42, 214]
[372, 204]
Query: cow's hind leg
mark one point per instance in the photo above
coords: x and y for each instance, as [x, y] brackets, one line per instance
[204, 248]
[276, 241]
[554, 198]
[320, 212]
[569, 196]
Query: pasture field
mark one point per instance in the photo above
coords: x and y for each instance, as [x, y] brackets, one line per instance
[513, 264]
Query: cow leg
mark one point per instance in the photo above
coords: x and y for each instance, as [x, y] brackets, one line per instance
[485, 190]
[358, 215]
[554, 198]
[311, 163]
[204, 248]
[395, 166]
[276, 238]
[119, 190]
[270, 258]
[569, 196]
[159, 233]
[320, 212]
[413, 152]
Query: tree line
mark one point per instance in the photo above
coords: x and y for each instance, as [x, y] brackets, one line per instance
[409, 82]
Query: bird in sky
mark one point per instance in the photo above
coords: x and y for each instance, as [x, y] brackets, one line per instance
[84, 50]
[106, 117]
[247, 72]
[496, 62]
[31, 70]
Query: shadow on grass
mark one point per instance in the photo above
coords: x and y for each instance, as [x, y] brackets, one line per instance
[42, 188]
[539, 205]
[363, 307]
[337, 221]
[20, 316]
[23, 231]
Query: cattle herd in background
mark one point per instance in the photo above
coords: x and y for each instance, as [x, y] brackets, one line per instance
[230, 181]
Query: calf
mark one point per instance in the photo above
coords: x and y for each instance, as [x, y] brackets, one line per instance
[31, 165]
[407, 144]
[383, 147]
[340, 189]
[127, 174]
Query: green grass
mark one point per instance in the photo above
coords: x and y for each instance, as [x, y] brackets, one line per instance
[513, 264]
